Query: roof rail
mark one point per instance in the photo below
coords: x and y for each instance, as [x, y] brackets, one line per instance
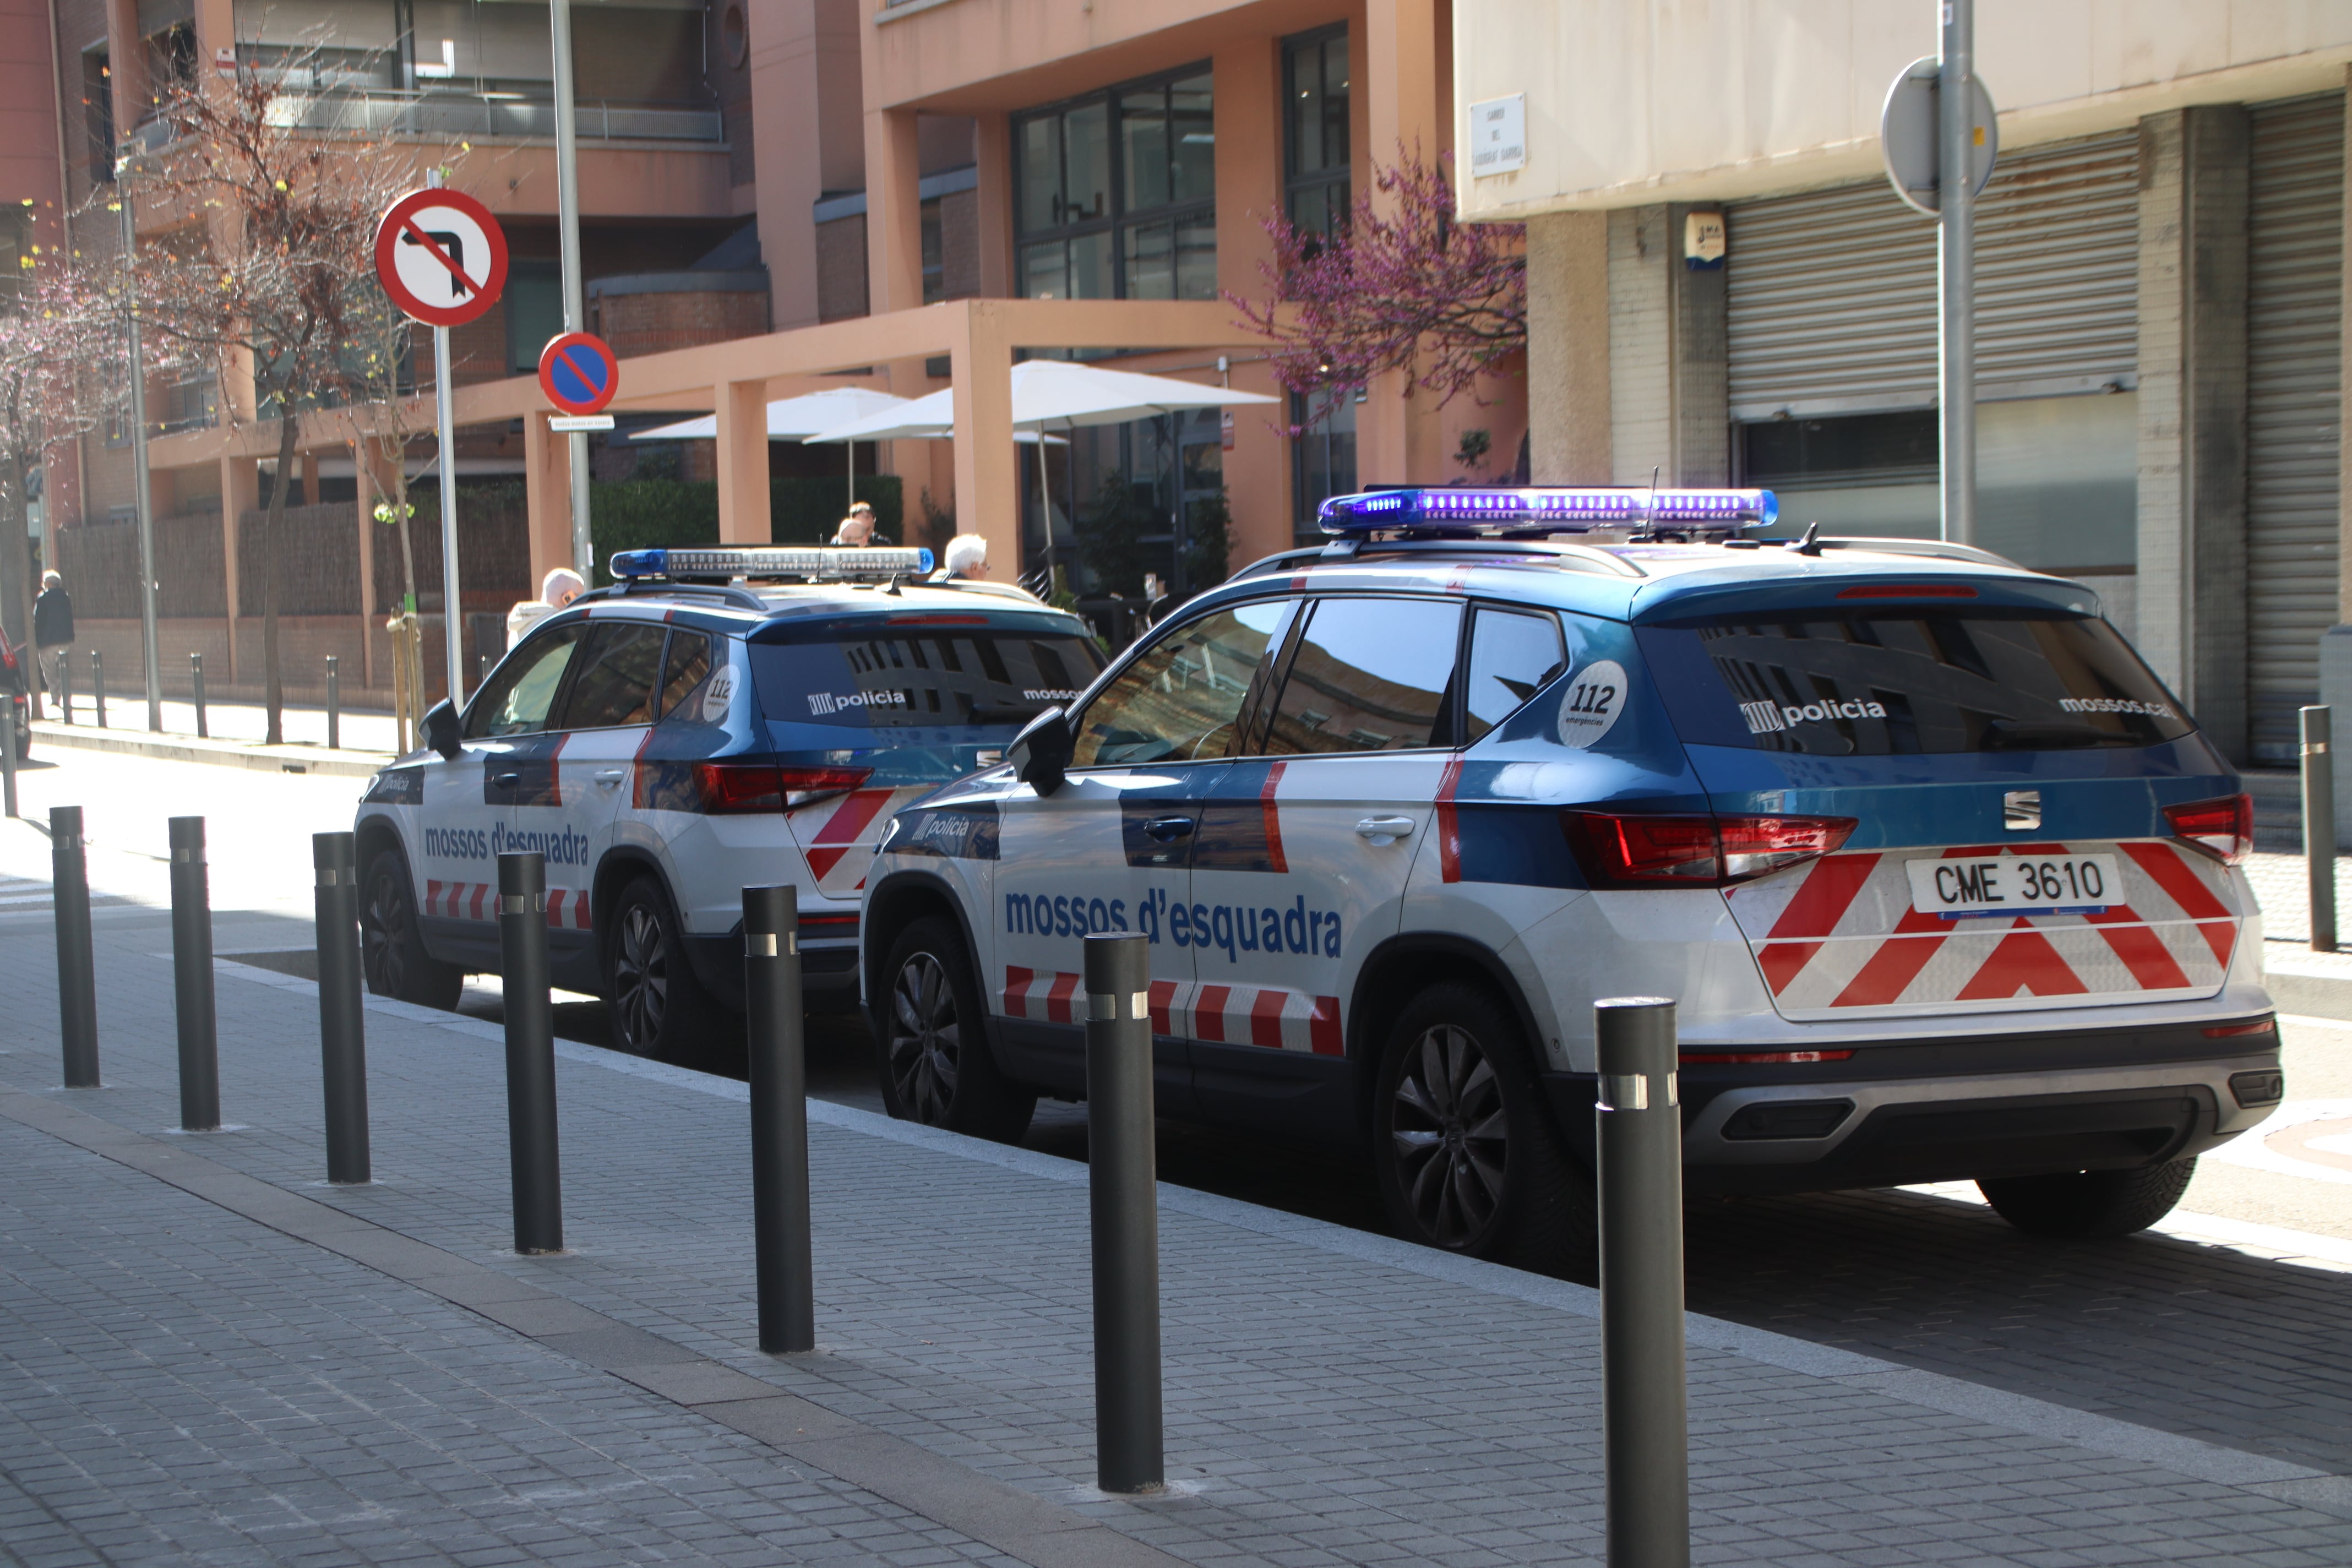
[741, 598]
[1566, 553]
[1930, 549]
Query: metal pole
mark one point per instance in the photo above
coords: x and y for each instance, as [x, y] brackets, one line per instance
[77, 982]
[141, 487]
[342, 1036]
[8, 752]
[446, 423]
[1121, 1175]
[196, 674]
[1643, 1391]
[530, 1054]
[191, 977]
[2320, 824]
[1955, 258]
[779, 1175]
[98, 684]
[567, 228]
[334, 704]
[65, 683]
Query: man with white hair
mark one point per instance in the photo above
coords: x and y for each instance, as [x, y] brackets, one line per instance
[560, 587]
[967, 558]
[53, 635]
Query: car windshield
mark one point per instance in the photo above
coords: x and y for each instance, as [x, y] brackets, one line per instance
[1890, 682]
[921, 671]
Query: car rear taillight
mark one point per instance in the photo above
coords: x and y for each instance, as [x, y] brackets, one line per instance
[734, 788]
[1640, 850]
[2223, 828]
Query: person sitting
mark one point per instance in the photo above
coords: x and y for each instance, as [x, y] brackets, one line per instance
[856, 529]
[558, 588]
[967, 559]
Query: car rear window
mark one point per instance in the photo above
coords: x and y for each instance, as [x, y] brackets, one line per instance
[1891, 682]
[908, 675]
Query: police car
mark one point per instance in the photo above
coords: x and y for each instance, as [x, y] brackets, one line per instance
[1941, 877]
[719, 718]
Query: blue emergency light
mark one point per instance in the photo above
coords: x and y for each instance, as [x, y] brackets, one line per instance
[1474, 512]
[813, 563]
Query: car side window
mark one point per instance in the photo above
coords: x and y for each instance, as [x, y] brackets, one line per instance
[614, 683]
[523, 687]
[1180, 700]
[684, 671]
[1514, 654]
[1371, 675]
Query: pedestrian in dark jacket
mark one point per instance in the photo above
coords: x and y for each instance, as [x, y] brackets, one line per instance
[53, 629]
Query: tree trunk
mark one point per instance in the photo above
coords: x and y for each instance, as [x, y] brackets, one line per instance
[274, 690]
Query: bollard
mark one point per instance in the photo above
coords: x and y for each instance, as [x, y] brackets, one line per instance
[342, 1036]
[780, 1176]
[2320, 824]
[98, 684]
[8, 753]
[334, 704]
[77, 983]
[197, 675]
[530, 1053]
[191, 977]
[1124, 1203]
[1643, 1392]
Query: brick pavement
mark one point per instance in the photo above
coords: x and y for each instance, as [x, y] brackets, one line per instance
[1332, 1396]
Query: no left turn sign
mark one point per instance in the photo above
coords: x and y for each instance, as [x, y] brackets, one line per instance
[441, 256]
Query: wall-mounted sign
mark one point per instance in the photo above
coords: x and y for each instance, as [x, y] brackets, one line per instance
[1704, 241]
[1498, 136]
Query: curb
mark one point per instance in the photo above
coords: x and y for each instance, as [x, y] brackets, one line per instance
[2301, 990]
[225, 753]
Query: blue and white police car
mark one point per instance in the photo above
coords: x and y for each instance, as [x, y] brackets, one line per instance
[1940, 874]
[719, 718]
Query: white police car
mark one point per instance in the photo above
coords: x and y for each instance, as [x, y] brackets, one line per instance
[720, 718]
[1939, 873]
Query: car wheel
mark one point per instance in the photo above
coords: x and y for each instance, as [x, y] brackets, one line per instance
[2089, 1205]
[392, 946]
[933, 1056]
[1466, 1155]
[659, 1007]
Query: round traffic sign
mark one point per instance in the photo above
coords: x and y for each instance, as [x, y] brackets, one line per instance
[441, 256]
[578, 373]
[1908, 137]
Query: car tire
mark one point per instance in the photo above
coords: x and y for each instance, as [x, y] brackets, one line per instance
[392, 942]
[1466, 1153]
[931, 1038]
[2089, 1205]
[659, 1007]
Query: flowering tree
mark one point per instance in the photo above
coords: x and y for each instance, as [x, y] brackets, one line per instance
[1401, 287]
[56, 339]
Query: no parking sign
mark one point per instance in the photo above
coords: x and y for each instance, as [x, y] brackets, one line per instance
[578, 373]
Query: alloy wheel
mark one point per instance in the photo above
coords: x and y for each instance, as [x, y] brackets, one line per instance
[381, 922]
[926, 1039]
[640, 976]
[1450, 1135]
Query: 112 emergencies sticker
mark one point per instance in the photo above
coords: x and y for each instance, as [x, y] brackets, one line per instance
[1589, 708]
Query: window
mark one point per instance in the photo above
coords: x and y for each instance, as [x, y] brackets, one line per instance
[1371, 675]
[614, 684]
[97, 113]
[683, 673]
[523, 690]
[935, 254]
[1314, 129]
[1117, 194]
[951, 676]
[1512, 655]
[534, 305]
[1323, 458]
[1182, 697]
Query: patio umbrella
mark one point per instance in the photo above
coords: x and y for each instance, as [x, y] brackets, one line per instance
[795, 419]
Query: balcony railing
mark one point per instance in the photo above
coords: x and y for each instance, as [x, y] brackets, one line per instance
[394, 111]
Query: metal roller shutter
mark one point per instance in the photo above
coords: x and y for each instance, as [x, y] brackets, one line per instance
[2293, 327]
[1831, 295]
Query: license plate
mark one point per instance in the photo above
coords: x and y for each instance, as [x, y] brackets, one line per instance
[2013, 885]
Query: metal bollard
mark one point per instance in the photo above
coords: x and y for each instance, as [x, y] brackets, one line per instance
[2320, 824]
[196, 674]
[334, 704]
[530, 1054]
[98, 684]
[779, 1175]
[77, 982]
[342, 1035]
[1645, 1391]
[1121, 1172]
[191, 977]
[8, 752]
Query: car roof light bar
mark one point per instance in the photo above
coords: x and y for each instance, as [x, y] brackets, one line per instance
[807, 564]
[1471, 511]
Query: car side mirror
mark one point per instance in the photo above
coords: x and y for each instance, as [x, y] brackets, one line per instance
[1041, 753]
[440, 727]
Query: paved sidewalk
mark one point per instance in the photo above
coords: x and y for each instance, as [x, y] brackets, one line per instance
[212, 1358]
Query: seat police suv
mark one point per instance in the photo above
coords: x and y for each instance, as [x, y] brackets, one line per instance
[719, 718]
[1942, 878]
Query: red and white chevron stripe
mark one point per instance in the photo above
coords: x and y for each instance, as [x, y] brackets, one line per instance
[1230, 1015]
[837, 835]
[567, 908]
[1840, 937]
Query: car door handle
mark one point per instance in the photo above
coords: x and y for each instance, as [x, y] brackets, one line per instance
[612, 777]
[1166, 829]
[1384, 829]
[506, 778]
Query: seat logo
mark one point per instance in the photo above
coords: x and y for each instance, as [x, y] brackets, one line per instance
[2020, 811]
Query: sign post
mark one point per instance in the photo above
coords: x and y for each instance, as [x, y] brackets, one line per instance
[441, 258]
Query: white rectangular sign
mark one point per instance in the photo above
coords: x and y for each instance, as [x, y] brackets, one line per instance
[2012, 885]
[1498, 135]
[564, 422]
